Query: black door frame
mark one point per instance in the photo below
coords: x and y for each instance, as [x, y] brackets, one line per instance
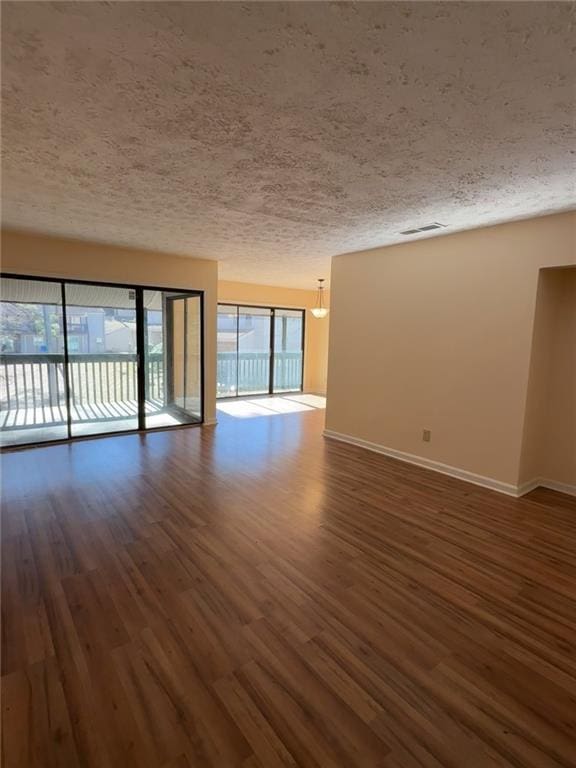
[140, 354]
[169, 346]
[272, 344]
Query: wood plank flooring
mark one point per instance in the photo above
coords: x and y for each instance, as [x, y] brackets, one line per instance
[253, 595]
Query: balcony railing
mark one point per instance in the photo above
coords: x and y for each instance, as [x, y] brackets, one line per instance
[102, 386]
[250, 372]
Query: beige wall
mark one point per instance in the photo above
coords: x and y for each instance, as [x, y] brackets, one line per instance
[437, 334]
[54, 257]
[549, 441]
[316, 342]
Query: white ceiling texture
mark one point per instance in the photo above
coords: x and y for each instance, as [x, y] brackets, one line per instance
[272, 136]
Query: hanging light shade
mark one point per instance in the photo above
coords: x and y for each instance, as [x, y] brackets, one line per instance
[320, 310]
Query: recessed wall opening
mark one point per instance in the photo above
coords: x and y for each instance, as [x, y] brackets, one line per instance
[549, 436]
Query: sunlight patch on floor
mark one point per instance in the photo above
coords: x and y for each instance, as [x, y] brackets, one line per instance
[270, 406]
[316, 401]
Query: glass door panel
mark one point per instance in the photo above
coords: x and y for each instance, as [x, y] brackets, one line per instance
[245, 359]
[254, 353]
[172, 358]
[32, 375]
[227, 340]
[96, 328]
[288, 350]
[102, 358]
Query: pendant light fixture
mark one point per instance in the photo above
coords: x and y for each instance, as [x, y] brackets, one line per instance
[320, 310]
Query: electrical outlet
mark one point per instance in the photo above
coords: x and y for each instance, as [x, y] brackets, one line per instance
[426, 435]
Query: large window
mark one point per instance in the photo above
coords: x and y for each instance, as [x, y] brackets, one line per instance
[84, 358]
[260, 350]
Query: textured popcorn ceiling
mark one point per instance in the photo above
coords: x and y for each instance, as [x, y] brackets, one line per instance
[272, 136]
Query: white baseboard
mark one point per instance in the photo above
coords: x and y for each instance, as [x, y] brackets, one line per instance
[445, 469]
[210, 422]
[529, 486]
[553, 485]
[421, 461]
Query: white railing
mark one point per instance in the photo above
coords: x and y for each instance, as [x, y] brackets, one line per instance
[33, 383]
[250, 372]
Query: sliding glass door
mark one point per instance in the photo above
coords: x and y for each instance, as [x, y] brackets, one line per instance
[254, 352]
[33, 403]
[84, 359]
[260, 350]
[288, 349]
[102, 358]
[227, 351]
[172, 358]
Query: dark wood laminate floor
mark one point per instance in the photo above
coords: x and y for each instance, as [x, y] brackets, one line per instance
[255, 596]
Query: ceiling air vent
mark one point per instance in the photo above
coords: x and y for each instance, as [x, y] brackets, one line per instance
[425, 228]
